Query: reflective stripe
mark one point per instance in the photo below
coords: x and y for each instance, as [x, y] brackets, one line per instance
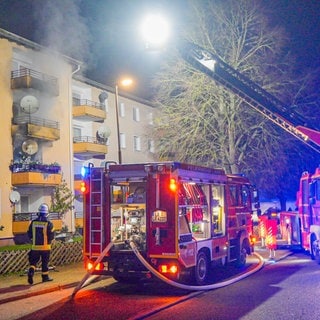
[39, 235]
[41, 248]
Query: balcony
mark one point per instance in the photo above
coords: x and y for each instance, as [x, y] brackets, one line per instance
[85, 147]
[26, 78]
[36, 128]
[87, 110]
[21, 221]
[35, 174]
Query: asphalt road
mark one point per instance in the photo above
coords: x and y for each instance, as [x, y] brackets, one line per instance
[287, 289]
[282, 290]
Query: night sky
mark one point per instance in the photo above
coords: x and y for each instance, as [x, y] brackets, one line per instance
[104, 33]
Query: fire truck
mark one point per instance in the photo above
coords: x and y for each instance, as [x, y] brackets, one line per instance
[182, 219]
[302, 228]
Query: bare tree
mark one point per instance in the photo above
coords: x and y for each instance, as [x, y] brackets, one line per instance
[202, 122]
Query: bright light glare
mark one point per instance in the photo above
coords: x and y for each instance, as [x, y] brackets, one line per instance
[155, 29]
[126, 82]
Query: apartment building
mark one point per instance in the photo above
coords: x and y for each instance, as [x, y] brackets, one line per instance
[54, 121]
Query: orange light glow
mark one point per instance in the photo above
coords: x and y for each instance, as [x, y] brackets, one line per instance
[173, 185]
[253, 239]
[164, 268]
[173, 269]
[83, 187]
[98, 267]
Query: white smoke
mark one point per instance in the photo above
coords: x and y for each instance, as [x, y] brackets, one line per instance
[61, 28]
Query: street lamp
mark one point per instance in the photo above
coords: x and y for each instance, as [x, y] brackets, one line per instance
[124, 82]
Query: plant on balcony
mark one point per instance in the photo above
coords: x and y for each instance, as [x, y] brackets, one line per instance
[26, 165]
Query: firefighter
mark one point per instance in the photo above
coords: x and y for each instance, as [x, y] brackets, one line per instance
[41, 232]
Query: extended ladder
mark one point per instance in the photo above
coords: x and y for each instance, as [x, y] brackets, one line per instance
[259, 99]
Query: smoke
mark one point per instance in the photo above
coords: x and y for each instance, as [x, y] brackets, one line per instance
[62, 28]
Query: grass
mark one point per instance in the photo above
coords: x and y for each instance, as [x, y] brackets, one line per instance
[16, 247]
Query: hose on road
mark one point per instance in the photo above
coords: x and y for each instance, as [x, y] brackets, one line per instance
[190, 287]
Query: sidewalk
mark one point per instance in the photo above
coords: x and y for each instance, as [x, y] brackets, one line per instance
[15, 287]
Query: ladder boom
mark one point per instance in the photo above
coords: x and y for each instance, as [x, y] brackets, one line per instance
[258, 98]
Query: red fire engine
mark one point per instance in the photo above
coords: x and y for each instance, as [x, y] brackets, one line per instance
[303, 227]
[182, 218]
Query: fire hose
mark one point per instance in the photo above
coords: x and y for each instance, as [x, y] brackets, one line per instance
[196, 288]
[162, 277]
[89, 272]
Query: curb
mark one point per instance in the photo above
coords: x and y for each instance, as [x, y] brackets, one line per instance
[38, 292]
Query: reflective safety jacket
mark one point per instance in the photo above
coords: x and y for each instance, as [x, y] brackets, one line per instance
[41, 232]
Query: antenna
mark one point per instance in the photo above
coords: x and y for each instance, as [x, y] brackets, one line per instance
[14, 196]
[103, 133]
[30, 147]
[29, 104]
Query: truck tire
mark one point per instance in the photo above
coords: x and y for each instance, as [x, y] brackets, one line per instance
[313, 247]
[316, 251]
[201, 269]
[242, 258]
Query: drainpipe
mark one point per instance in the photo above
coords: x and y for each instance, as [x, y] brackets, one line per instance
[71, 165]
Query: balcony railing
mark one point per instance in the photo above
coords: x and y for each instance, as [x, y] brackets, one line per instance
[21, 221]
[86, 147]
[89, 140]
[36, 121]
[85, 102]
[29, 216]
[28, 78]
[37, 127]
[87, 110]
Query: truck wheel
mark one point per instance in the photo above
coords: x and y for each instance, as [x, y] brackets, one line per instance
[315, 251]
[201, 269]
[242, 258]
[317, 256]
[313, 247]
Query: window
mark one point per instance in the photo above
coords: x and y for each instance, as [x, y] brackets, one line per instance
[122, 140]
[193, 204]
[76, 132]
[218, 225]
[245, 196]
[136, 114]
[122, 111]
[136, 143]
[150, 118]
[24, 203]
[151, 146]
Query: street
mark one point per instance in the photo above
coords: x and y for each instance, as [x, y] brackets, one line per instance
[281, 290]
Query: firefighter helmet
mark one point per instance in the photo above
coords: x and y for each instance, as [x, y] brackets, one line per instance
[43, 210]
